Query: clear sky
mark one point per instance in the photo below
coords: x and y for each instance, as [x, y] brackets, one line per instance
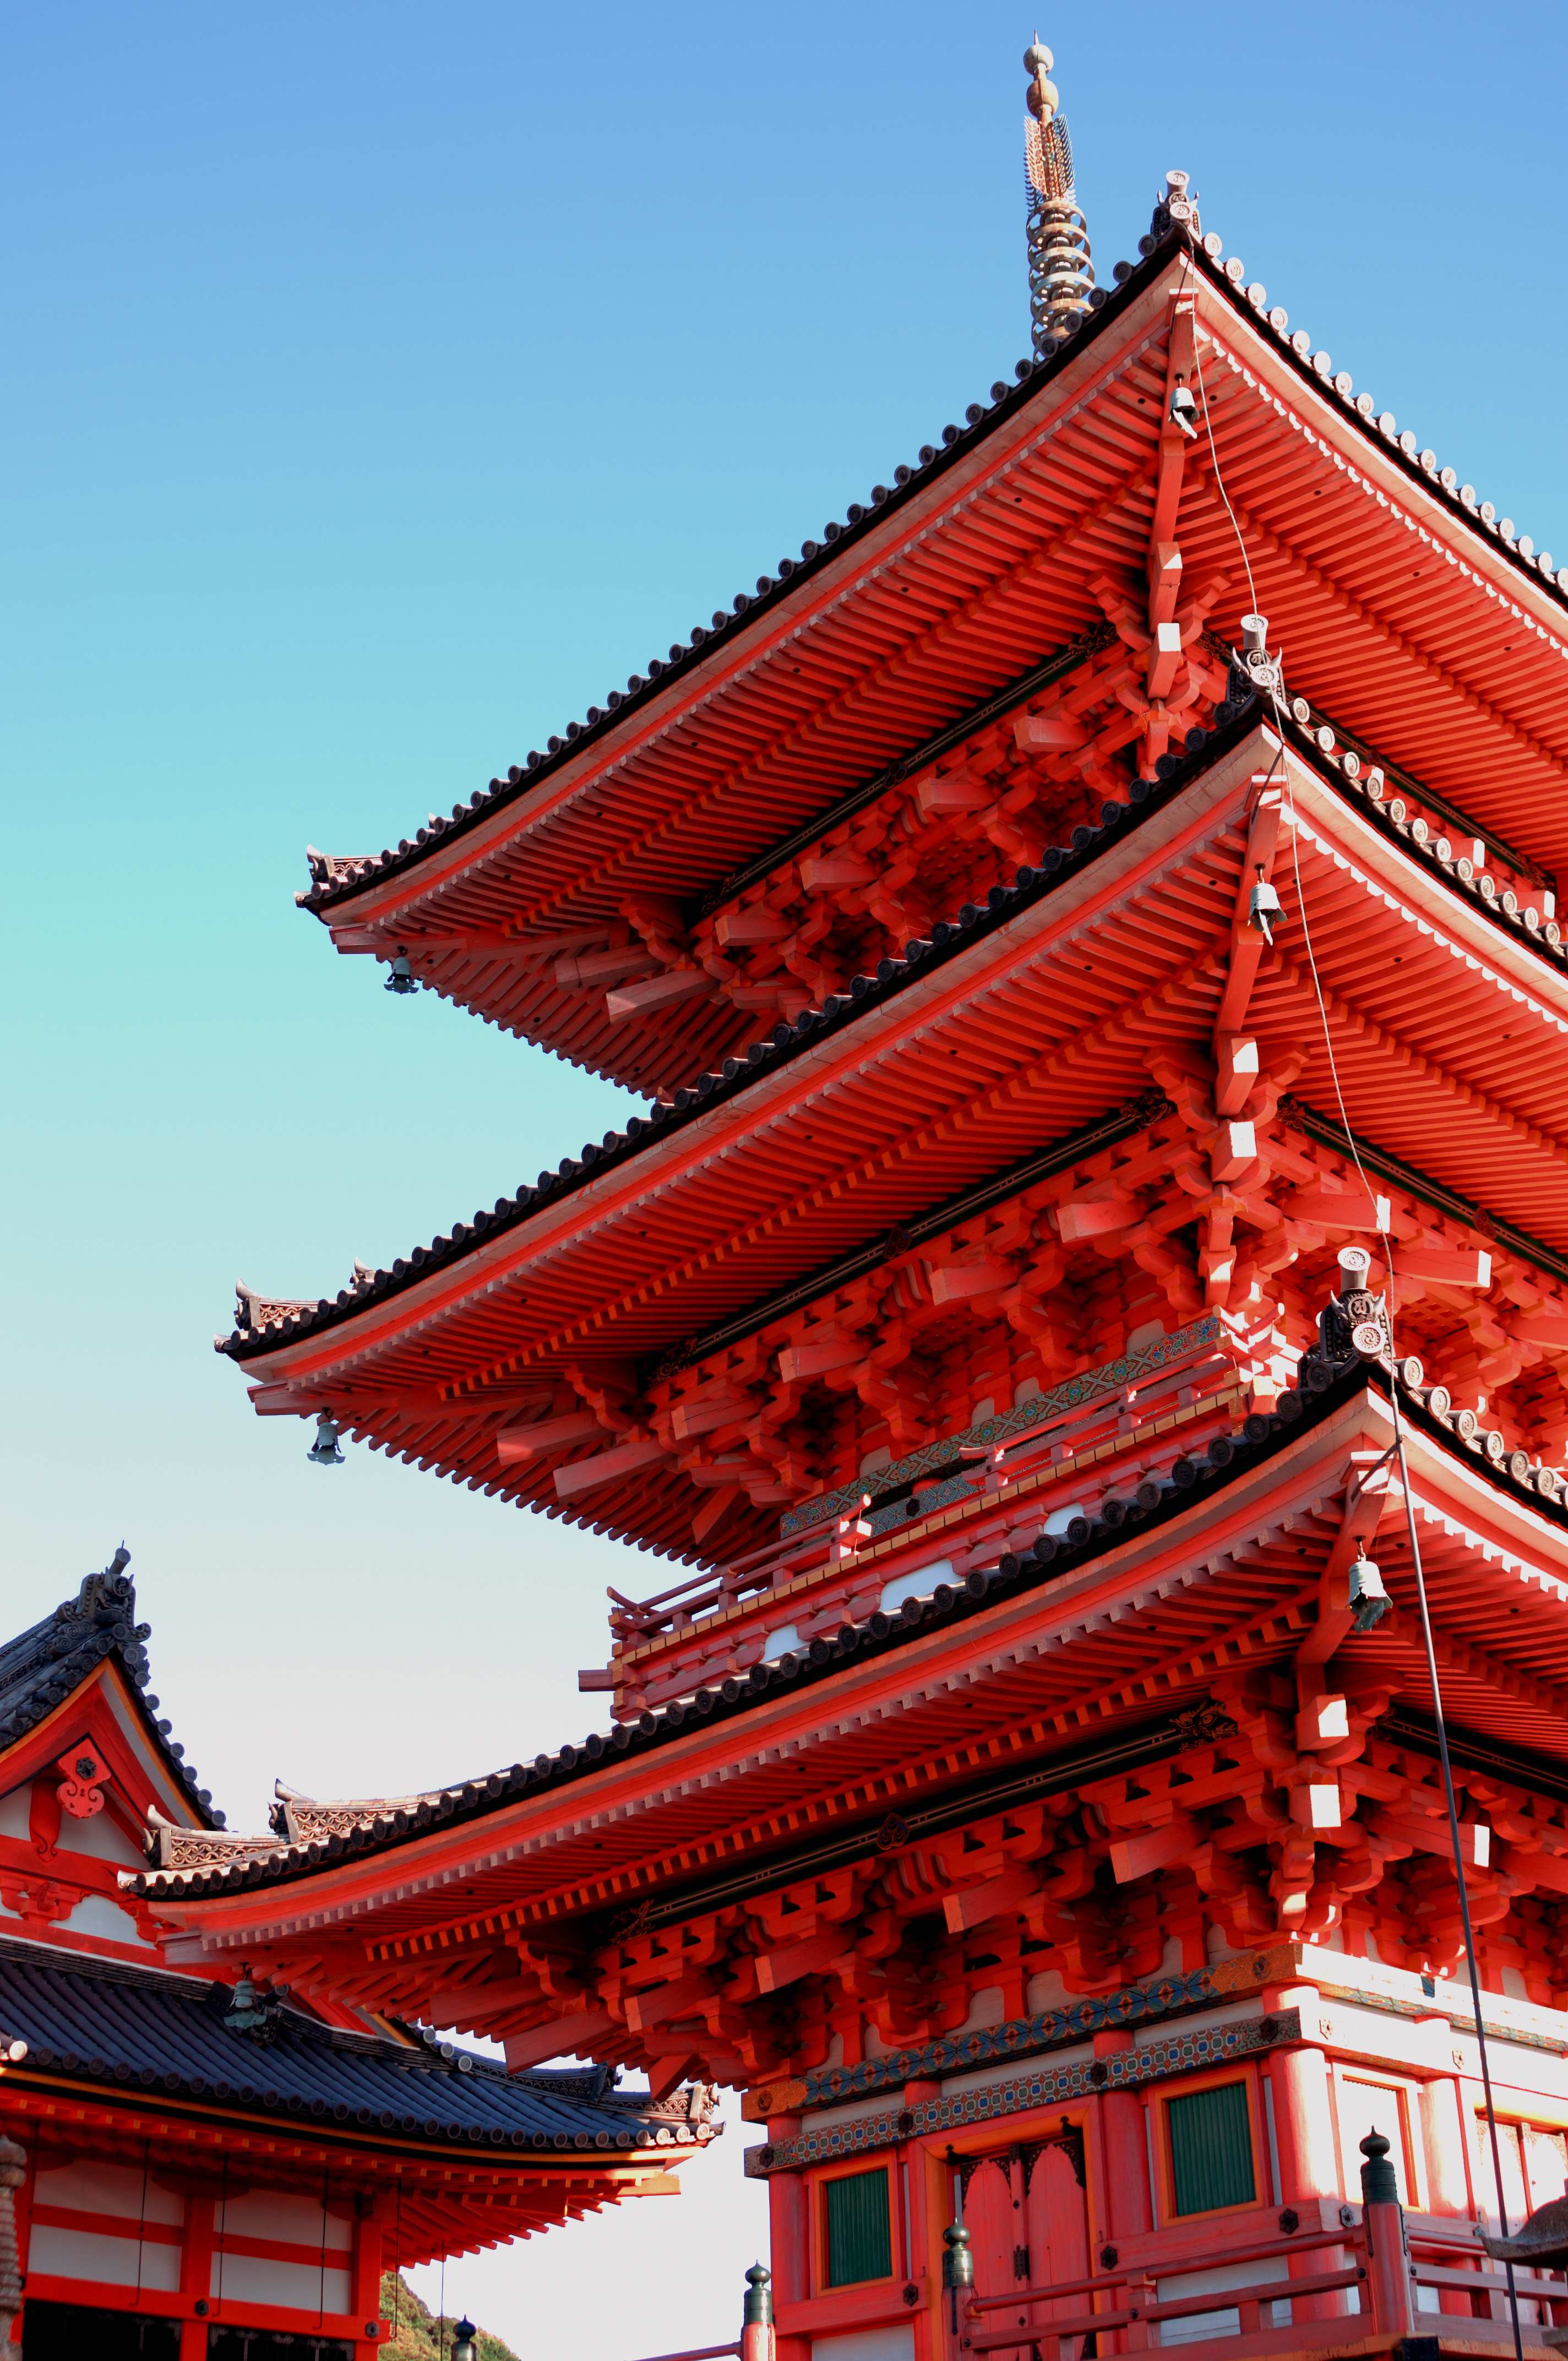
[386, 383]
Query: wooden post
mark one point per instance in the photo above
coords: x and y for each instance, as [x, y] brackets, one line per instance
[1387, 2258]
[757, 2316]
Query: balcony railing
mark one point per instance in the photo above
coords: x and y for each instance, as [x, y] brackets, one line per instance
[1377, 2261]
[1034, 1450]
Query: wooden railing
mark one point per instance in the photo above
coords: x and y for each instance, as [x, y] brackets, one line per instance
[1383, 2266]
[1134, 2306]
[1058, 1436]
[1482, 2284]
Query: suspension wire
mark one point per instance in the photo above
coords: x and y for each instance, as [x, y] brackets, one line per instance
[141, 2218]
[398, 2262]
[326, 2183]
[1281, 769]
[224, 2233]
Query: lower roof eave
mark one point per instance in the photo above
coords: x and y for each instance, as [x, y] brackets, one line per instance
[399, 1882]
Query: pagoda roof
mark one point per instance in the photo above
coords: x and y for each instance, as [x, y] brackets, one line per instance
[49, 1662]
[1001, 990]
[1507, 1678]
[143, 2030]
[619, 1899]
[854, 658]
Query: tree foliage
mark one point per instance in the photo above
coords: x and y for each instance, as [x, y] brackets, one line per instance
[416, 2335]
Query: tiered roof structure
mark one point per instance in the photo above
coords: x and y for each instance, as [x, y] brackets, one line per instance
[199, 2159]
[1091, 1279]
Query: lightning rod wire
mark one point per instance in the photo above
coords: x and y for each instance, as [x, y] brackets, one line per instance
[1281, 768]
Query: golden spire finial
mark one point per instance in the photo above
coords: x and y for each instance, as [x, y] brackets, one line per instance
[1061, 275]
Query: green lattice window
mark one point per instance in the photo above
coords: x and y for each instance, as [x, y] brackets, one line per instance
[859, 2234]
[1211, 2149]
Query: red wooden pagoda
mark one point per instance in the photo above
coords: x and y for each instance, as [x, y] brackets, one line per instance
[1095, 1259]
[201, 2166]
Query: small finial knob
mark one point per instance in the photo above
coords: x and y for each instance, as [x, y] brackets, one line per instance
[1176, 182]
[1037, 59]
[1379, 2182]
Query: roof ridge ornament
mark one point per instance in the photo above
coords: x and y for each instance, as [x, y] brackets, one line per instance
[1174, 208]
[1062, 274]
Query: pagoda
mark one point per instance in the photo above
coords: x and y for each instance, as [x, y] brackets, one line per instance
[197, 2164]
[1085, 1329]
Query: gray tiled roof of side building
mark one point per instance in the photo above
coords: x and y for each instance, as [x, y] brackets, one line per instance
[146, 2030]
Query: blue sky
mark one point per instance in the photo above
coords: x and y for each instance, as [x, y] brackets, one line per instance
[387, 382]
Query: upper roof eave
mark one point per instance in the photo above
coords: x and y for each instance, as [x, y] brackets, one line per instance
[580, 761]
[846, 548]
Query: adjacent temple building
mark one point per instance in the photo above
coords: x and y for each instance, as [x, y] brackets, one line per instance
[1092, 1275]
[198, 2170]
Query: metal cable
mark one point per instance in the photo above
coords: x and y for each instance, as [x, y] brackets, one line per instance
[1428, 1644]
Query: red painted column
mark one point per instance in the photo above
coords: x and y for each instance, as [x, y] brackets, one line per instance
[1309, 2160]
[1124, 2145]
[925, 2234]
[788, 2241]
[196, 2273]
[1303, 2126]
[368, 2243]
[1446, 2156]
[1444, 2145]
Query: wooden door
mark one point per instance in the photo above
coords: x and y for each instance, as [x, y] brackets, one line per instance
[1028, 2222]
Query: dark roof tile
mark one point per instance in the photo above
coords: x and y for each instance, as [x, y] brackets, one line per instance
[159, 2030]
[42, 1665]
[263, 1324]
[1326, 1381]
[333, 877]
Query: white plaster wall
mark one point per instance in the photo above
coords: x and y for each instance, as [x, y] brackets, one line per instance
[291, 2219]
[96, 1915]
[91, 2254]
[304, 2286]
[894, 2344]
[89, 2187]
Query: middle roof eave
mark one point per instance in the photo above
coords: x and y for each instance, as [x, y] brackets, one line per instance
[636, 1204]
[843, 1048]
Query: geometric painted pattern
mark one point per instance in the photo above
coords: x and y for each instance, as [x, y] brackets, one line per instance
[1051, 2086]
[1019, 2036]
[1088, 1386]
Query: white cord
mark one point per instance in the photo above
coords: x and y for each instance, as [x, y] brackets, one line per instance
[1282, 768]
